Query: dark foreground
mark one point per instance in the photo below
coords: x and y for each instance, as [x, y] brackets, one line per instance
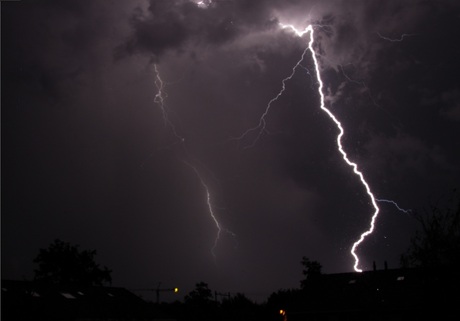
[400, 294]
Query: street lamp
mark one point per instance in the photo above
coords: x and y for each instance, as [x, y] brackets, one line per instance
[158, 290]
[283, 314]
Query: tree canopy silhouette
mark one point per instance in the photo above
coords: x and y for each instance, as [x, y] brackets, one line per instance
[200, 296]
[311, 271]
[437, 243]
[64, 264]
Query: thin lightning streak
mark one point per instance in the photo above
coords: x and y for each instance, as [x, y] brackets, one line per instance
[210, 207]
[400, 39]
[260, 128]
[367, 89]
[161, 95]
[395, 204]
[360, 83]
[159, 99]
[310, 30]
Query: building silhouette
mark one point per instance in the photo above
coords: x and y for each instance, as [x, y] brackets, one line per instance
[28, 300]
[396, 294]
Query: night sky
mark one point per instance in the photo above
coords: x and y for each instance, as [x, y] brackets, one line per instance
[92, 154]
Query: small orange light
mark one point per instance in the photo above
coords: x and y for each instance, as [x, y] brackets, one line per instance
[176, 290]
[282, 312]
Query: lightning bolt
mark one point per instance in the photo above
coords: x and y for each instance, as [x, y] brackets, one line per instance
[342, 151]
[159, 99]
[260, 128]
[210, 206]
[400, 39]
[395, 204]
[161, 95]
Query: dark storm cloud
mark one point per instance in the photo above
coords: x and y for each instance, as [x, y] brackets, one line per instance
[451, 102]
[172, 25]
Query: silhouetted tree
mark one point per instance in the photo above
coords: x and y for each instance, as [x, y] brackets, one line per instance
[238, 300]
[437, 243]
[64, 264]
[199, 304]
[311, 271]
[282, 300]
[239, 307]
[201, 295]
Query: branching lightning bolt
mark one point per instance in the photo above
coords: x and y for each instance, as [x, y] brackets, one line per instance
[395, 204]
[159, 99]
[261, 128]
